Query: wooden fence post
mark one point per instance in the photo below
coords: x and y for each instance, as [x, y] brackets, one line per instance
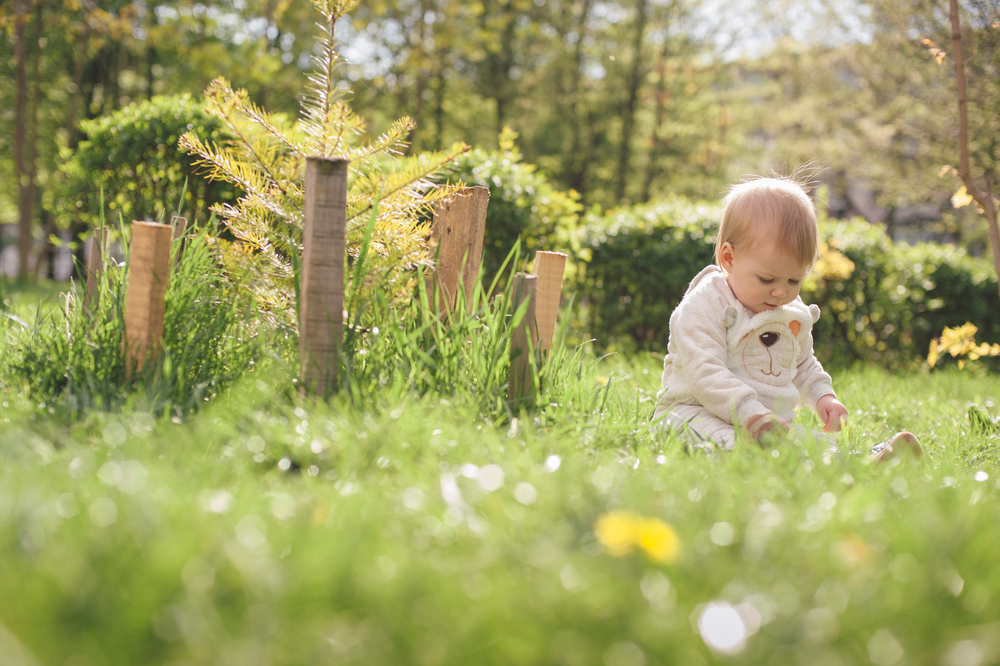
[520, 385]
[145, 298]
[180, 226]
[324, 239]
[549, 267]
[95, 266]
[459, 227]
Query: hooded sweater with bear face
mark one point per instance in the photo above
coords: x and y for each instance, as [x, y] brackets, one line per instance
[736, 363]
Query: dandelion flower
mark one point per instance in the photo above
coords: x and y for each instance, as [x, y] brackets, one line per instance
[620, 532]
[659, 540]
[616, 530]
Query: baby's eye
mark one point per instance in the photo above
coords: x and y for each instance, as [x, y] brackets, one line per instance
[795, 281]
[767, 280]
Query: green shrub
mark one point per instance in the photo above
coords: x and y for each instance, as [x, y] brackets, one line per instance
[898, 297]
[638, 263]
[133, 154]
[523, 204]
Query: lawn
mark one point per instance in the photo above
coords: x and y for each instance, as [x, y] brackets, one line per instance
[432, 528]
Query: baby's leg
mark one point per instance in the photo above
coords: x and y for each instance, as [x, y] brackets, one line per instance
[699, 426]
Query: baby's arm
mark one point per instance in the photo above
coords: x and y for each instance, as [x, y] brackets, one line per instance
[816, 387]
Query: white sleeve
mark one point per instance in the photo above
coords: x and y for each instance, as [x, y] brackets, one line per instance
[811, 379]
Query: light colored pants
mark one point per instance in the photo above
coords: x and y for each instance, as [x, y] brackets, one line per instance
[700, 427]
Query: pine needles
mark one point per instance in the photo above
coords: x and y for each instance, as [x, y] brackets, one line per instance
[267, 161]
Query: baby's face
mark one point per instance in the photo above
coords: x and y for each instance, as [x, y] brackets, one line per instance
[762, 276]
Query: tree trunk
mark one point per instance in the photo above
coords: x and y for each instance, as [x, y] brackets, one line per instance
[24, 190]
[74, 100]
[983, 198]
[654, 137]
[577, 176]
[422, 76]
[31, 137]
[628, 108]
[439, 104]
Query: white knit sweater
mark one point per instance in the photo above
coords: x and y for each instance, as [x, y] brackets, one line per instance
[738, 364]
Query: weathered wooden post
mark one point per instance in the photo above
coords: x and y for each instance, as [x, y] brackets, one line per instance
[324, 240]
[520, 385]
[549, 267]
[180, 226]
[95, 266]
[145, 298]
[457, 234]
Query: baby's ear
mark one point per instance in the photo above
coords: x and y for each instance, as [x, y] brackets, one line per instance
[795, 325]
[814, 312]
[729, 316]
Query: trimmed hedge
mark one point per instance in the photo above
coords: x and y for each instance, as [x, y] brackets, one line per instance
[637, 263]
[885, 309]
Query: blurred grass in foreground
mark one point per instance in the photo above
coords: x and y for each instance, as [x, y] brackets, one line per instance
[275, 529]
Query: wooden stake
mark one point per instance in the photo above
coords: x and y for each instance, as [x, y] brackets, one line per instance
[549, 267]
[459, 226]
[95, 266]
[324, 239]
[145, 298]
[180, 226]
[520, 385]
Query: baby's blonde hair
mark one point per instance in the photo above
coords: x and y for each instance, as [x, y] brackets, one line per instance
[769, 207]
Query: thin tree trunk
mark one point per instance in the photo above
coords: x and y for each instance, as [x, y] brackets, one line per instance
[439, 104]
[501, 71]
[150, 64]
[983, 198]
[654, 137]
[47, 253]
[32, 122]
[74, 100]
[421, 74]
[24, 199]
[577, 175]
[628, 108]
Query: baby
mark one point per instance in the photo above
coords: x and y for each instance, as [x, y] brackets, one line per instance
[740, 351]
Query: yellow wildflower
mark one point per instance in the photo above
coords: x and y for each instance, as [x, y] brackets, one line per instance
[659, 540]
[620, 532]
[960, 341]
[616, 531]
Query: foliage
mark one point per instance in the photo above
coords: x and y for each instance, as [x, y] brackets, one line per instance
[898, 297]
[638, 263]
[73, 361]
[524, 205]
[266, 159]
[131, 159]
[960, 341]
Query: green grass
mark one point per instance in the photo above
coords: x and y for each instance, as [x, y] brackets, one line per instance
[416, 518]
[271, 528]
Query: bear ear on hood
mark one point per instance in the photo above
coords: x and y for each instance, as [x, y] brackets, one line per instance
[729, 316]
[814, 312]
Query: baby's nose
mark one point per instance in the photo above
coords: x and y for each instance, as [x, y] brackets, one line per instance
[779, 291]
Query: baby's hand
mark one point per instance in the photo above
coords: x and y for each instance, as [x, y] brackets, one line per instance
[760, 424]
[832, 413]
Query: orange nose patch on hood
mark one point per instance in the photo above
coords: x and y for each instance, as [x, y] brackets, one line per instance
[795, 325]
